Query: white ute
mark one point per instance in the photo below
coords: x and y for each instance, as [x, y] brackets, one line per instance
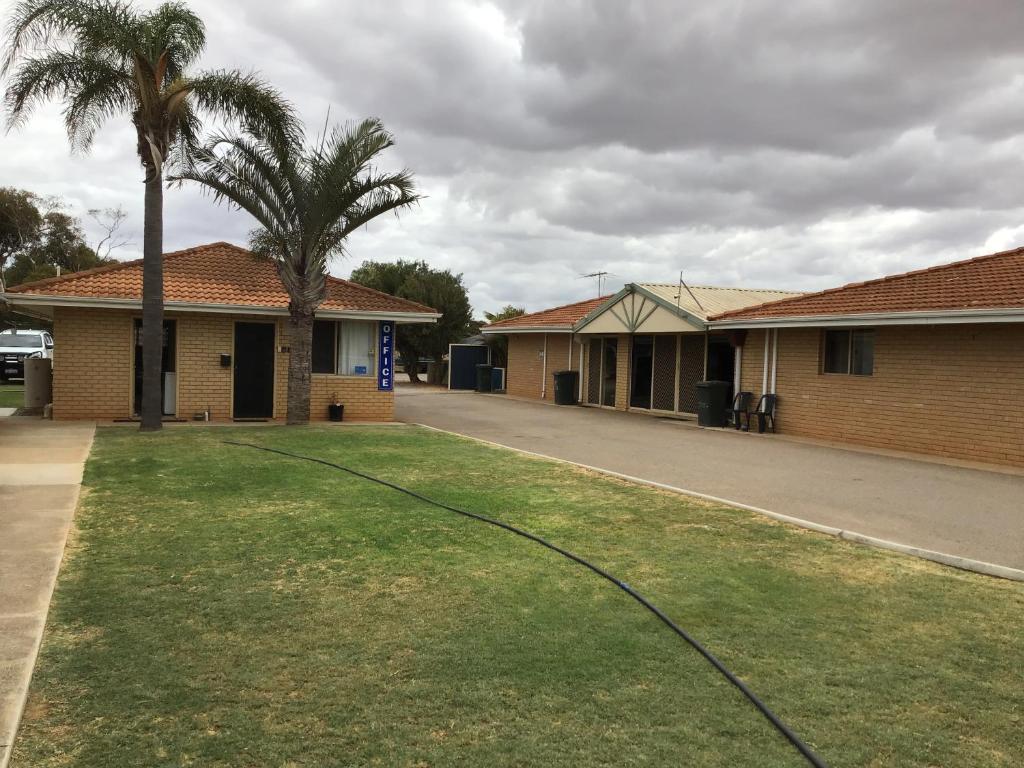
[16, 344]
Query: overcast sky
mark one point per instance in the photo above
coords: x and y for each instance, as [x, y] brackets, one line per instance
[794, 145]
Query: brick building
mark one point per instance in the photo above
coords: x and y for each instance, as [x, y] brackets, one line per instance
[643, 349]
[225, 339]
[539, 344]
[930, 361]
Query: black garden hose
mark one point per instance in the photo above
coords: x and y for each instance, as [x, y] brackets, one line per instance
[780, 726]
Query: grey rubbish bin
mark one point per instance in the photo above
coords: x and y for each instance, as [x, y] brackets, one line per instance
[712, 403]
[483, 377]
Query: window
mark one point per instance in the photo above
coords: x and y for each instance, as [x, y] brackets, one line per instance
[21, 340]
[344, 347]
[849, 352]
[323, 346]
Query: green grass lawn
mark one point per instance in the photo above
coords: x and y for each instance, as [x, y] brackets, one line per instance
[12, 395]
[221, 606]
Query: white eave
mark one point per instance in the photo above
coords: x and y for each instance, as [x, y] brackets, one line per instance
[944, 317]
[487, 331]
[41, 300]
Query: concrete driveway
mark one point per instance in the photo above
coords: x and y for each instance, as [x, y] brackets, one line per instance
[971, 513]
[40, 471]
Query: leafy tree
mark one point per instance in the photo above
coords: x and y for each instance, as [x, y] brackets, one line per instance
[499, 344]
[505, 313]
[440, 289]
[49, 240]
[307, 200]
[20, 221]
[105, 58]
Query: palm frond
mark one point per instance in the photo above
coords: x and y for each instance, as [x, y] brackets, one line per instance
[86, 82]
[233, 177]
[176, 33]
[101, 93]
[93, 27]
[247, 101]
[308, 200]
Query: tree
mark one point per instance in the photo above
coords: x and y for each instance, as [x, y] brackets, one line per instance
[440, 289]
[109, 220]
[499, 344]
[20, 220]
[307, 201]
[105, 58]
[505, 313]
[52, 245]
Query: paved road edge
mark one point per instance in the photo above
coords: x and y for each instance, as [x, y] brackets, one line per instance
[943, 558]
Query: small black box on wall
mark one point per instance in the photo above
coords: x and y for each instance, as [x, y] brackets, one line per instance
[225, 361]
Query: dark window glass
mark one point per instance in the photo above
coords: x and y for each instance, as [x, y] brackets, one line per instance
[837, 352]
[862, 354]
[610, 362]
[323, 346]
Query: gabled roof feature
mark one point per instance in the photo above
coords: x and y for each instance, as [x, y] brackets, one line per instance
[964, 291]
[555, 319]
[669, 307]
[218, 275]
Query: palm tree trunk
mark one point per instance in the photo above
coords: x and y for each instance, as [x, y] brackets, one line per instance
[152, 303]
[300, 363]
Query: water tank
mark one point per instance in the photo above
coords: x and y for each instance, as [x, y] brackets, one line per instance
[38, 382]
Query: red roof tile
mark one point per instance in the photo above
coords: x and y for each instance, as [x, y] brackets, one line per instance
[557, 317]
[218, 273]
[995, 281]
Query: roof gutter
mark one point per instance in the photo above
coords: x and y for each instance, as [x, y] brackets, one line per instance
[499, 331]
[956, 317]
[39, 300]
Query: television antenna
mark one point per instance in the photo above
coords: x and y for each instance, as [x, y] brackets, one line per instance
[600, 280]
[679, 293]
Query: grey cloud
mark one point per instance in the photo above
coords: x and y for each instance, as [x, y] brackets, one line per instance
[755, 143]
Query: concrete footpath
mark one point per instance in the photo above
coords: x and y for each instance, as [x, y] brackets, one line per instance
[961, 511]
[41, 465]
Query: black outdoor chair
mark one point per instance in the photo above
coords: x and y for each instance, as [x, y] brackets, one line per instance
[741, 408]
[765, 412]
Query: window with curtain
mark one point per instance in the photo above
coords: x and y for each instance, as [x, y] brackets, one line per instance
[344, 347]
[355, 348]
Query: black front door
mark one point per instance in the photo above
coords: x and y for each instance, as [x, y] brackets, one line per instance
[254, 371]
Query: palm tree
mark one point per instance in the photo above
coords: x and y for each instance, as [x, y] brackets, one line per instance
[307, 200]
[104, 58]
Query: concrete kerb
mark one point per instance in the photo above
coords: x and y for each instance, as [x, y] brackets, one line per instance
[953, 561]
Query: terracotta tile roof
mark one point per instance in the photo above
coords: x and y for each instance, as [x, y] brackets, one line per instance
[218, 273]
[995, 281]
[565, 316]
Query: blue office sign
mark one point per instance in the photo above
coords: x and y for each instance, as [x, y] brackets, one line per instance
[386, 356]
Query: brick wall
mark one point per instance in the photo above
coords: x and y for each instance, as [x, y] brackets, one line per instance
[622, 372]
[202, 382]
[526, 375]
[359, 394]
[953, 390]
[94, 369]
[92, 363]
